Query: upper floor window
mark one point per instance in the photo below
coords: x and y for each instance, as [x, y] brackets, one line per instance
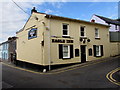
[82, 31]
[116, 27]
[96, 33]
[65, 29]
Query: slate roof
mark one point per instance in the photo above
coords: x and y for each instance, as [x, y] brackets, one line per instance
[110, 21]
[71, 19]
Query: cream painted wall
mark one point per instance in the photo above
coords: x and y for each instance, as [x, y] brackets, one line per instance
[114, 48]
[31, 50]
[74, 32]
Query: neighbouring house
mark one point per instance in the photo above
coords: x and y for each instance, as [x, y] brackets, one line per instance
[51, 40]
[12, 48]
[4, 54]
[8, 49]
[115, 40]
[114, 31]
[114, 23]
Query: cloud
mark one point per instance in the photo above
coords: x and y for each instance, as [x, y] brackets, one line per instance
[57, 4]
[113, 16]
[48, 11]
[13, 18]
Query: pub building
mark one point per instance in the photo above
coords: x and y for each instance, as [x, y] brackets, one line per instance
[54, 40]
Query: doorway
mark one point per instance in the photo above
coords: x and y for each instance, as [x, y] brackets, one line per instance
[83, 53]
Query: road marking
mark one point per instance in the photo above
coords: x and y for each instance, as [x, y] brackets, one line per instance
[59, 71]
[109, 76]
[85, 64]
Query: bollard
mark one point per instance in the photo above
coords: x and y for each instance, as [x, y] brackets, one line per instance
[44, 70]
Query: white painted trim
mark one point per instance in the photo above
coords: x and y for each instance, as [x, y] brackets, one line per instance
[68, 51]
[67, 29]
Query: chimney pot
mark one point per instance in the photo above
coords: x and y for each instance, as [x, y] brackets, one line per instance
[92, 20]
[33, 10]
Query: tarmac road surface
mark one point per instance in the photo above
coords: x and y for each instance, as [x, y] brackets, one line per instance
[91, 75]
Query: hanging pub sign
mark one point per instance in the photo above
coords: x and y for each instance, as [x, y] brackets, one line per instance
[61, 41]
[32, 33]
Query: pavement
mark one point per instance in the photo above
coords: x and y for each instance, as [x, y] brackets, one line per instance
[56, 68]
[85, 75]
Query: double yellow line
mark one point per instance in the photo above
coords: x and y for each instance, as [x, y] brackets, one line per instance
[109, 76]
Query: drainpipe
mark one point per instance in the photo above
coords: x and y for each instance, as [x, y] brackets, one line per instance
[49, 44]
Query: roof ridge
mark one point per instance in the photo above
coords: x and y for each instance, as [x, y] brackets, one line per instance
[104, 17]
[108, 20]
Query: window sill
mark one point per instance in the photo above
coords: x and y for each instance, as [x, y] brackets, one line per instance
[83, 37]
[66, 36]
[66, 58]
[98, 56]
[98, 38]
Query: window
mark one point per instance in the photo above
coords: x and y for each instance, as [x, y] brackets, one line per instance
[98, 50]
[32, 33]
[90, 51]
[82, 31]
[65, 30]
[76, 52]
[115, 27]
[96, 33]
[65, 51]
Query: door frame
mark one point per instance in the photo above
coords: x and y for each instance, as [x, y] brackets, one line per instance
[85, 52]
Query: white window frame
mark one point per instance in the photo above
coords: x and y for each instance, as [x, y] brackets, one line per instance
[67, 51]
[99, 50]
[97, 33]
[65, 29]
[84, 31]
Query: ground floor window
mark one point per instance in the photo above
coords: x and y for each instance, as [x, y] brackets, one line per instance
[90, 51]
[65, 51]
[98, 50]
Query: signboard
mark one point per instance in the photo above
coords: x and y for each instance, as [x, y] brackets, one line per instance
[32, 33]
[61, 41]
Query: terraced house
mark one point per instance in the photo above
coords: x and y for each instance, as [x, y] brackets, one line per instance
[49, 40]
[4, 54]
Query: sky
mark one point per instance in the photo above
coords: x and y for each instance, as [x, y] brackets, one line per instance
[12, 18]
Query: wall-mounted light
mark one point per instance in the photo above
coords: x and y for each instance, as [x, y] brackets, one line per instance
[84, 41]
[81, 39]
[88, 40]
[42, 42]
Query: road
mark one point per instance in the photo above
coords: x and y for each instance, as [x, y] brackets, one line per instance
[88, 76]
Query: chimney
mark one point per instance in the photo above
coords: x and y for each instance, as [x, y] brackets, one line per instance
[33, 10]
[92, 20]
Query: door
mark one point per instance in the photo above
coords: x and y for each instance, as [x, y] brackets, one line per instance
[83, 53]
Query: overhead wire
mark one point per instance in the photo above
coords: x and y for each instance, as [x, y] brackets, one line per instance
[20, 7]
